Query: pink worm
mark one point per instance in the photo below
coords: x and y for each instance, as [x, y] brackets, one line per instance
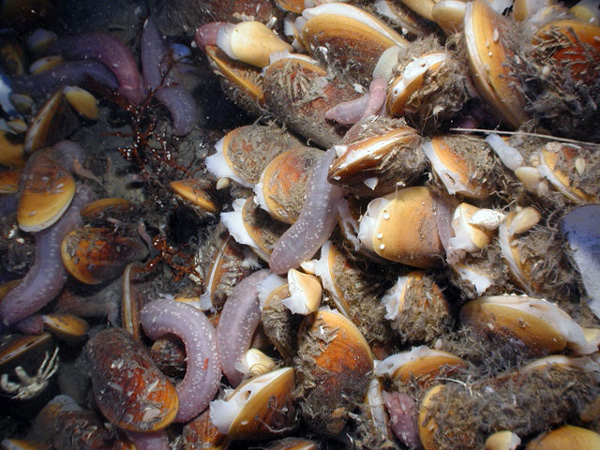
[203, 374]
[239, 318]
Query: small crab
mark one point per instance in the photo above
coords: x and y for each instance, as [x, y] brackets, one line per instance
[29, 387]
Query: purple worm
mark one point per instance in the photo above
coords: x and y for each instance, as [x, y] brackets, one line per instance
[149, 441]
[109, 50]
[239, 318]
[352, 111]
[73, 73]
[47, 275]
[313, 227]
[162, 76]
[203, 374]
[403, 418]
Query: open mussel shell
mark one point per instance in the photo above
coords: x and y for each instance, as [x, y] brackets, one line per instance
[449, 15]
[131, 392]
[259, 408]
[473, 227]
[25, 350]
[196, 193]
[283, 183]
[404, 18]
[416, 243]
[488, 57]
[46, 192]
[253, 226]
[333, 370]
[95, 255]
[221, 264]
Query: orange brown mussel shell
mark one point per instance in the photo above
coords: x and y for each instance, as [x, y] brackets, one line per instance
[131, 392]
[94, 255]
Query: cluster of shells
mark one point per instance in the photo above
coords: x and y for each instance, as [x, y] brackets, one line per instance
[420, 177]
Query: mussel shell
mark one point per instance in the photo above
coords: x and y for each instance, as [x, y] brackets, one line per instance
[131, 392]
[94, 255]
[334, 363]
[46, 192]
[284, 182]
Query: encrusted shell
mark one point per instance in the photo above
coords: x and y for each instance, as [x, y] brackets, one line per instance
[130, 390]
[334, 363]
[379, 162]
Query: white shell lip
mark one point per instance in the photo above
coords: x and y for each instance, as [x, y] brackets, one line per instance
[415, 69]
[234, 223]
[509, 155]
[368, 222]
[391, 299]
[217, 165]
[224, 412]
[450, 179]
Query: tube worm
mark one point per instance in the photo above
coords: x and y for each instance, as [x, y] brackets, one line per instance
[314, 225]
[201, 381]
[238, 321]
[47, 275]
[110, 51]
[352, 111]
[162, 76]
[72, 73]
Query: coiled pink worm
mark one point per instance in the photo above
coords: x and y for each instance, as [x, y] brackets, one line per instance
[203, 374]
[313, 227]
[47, 275]
[238, 321]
